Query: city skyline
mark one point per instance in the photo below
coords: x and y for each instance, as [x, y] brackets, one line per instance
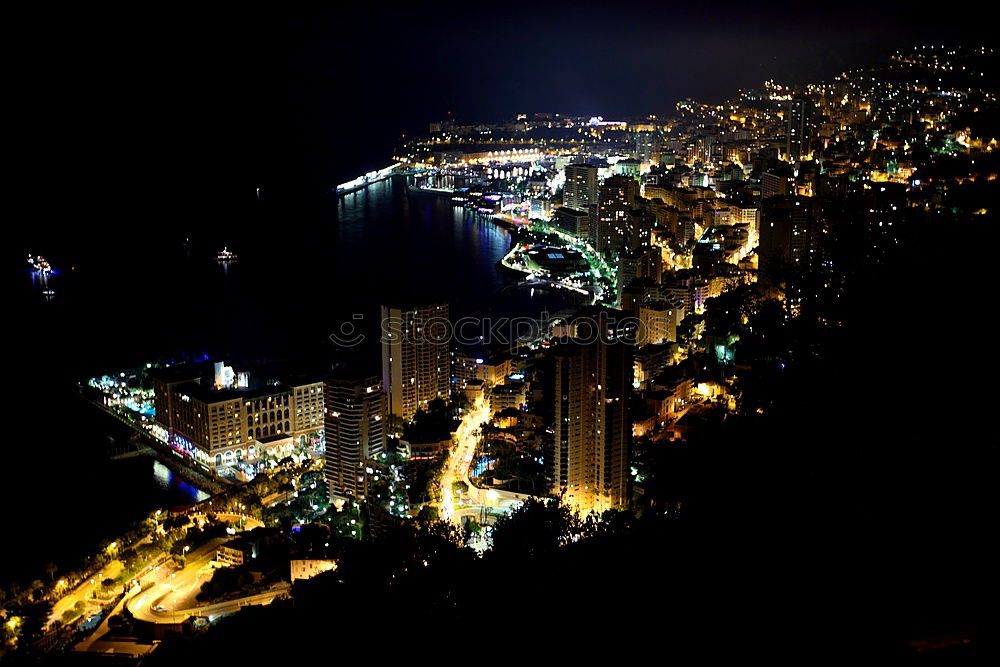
[578, 327]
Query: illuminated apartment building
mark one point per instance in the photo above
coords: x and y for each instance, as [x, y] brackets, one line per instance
[618, 195]
[416, 365]
[798, 129]
[355, 432]
[588, 458]
[580, 191]
[658, 321]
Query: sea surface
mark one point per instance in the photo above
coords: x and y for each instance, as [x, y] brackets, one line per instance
[133, 294]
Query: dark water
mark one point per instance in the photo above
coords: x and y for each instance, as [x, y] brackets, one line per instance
[139, 293]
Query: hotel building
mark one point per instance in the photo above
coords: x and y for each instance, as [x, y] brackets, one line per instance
[222, 427]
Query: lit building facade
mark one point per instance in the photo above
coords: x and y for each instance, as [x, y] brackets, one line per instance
[573, 221]
[580, 191]
[798, 128]
[219, 428]
[658, 321]
[588, 458]
[355, 432]
[647, 148]
[618, 195]
[416, 365]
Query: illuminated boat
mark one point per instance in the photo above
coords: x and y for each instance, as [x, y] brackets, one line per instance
[226, 255]
[39, 264]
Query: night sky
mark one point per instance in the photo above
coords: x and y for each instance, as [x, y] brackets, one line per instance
[113, 108]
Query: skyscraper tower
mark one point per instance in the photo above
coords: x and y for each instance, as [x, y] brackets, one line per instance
[354, 425]
[588, 458]
[798, 131]
[789, 234]
[580, 191]
[647, 148]
[416, 366]
[618, 195]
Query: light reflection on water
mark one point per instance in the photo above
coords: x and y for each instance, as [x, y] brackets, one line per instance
[168, 481]
[379, 244]
[443, 251]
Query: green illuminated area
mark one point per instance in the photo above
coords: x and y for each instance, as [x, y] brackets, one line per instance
[597, 278]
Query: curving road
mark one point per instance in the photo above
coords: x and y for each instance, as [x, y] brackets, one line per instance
[456, 469]
[175, 592]
[174, 595]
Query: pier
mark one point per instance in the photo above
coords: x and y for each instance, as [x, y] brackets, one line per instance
[142, 443]
[361, 182]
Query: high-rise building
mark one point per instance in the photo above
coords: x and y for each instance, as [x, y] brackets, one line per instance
[789, 235]
[686, 230]
[580, 191]
[355, 431]
[491, 370]
[416, 365]
[541, 208]
[643, 262]
[745, 212]
[618, 195]
[640, 222]
[777, 182]
[705, 146]
[798, 129]
[647, 148]
[588, 455]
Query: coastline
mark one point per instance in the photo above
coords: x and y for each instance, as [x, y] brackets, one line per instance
[150, 446]
[172, 460]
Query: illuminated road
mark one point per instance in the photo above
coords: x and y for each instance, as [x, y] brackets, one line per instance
[165, 600]
[456, 469]
[279, 589]
[245, 521]
[174, 596]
